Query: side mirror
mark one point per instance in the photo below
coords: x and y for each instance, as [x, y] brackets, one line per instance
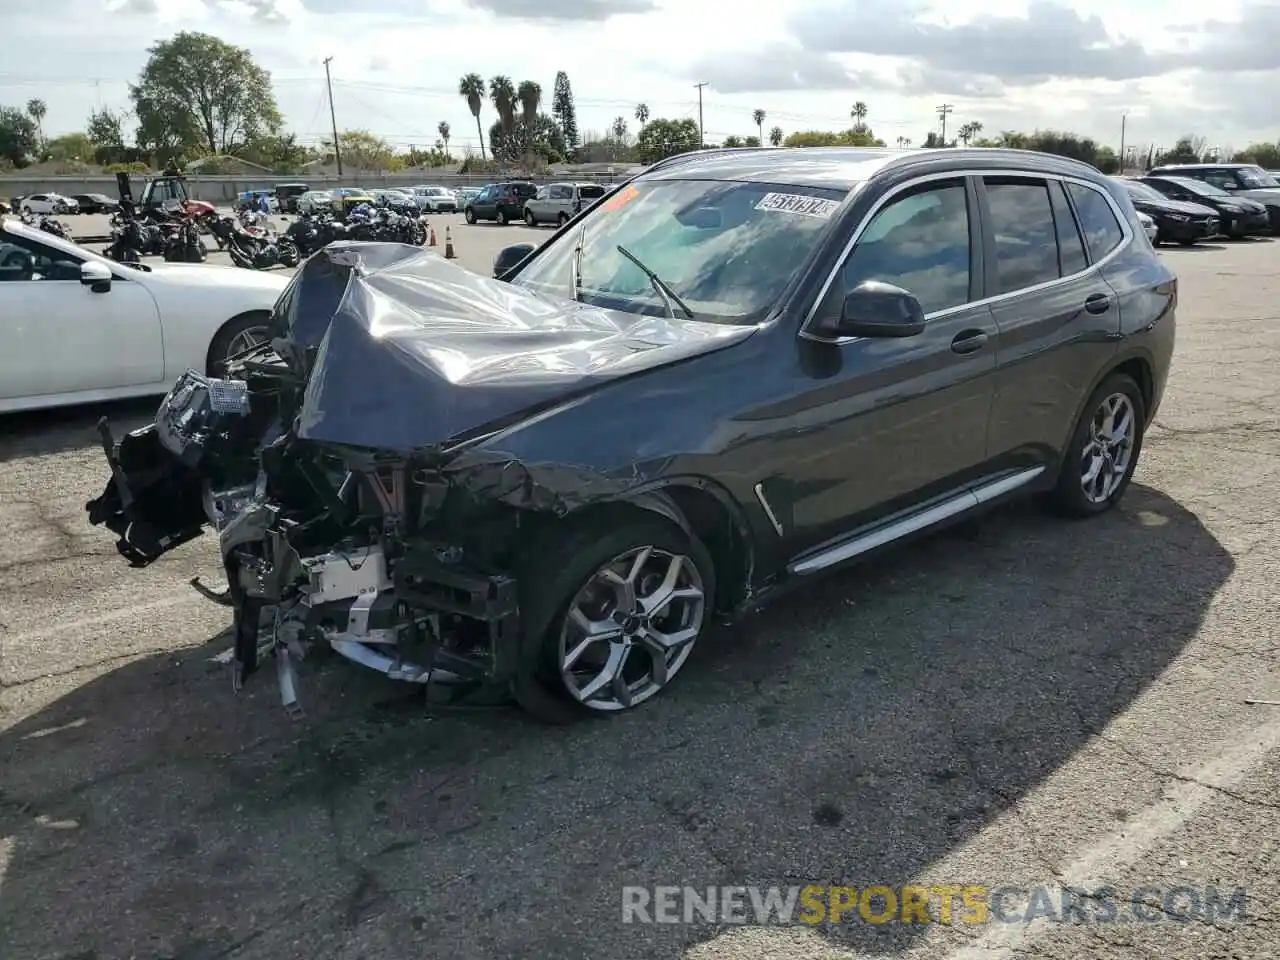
[876, 309]
[95, 276]
[510, 256]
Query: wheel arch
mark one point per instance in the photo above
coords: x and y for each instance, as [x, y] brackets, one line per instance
[1136, 364]
[703, 508]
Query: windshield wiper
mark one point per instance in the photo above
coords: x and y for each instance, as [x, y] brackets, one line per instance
[575, 265]
[669, 296]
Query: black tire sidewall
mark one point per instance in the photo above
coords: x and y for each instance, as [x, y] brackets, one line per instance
[1068, 497]
[555, 567]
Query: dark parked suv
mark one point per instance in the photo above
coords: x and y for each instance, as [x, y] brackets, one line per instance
[500, 202]
[1177, 221]
[773, 363]
[1246, 181]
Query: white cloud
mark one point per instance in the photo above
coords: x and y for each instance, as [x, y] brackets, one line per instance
[397, 62]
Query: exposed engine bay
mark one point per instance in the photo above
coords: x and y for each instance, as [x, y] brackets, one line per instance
[346, 464]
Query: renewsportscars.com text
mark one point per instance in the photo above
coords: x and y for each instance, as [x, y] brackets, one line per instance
[942, 904]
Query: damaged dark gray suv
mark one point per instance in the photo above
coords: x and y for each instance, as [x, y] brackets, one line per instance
[734, 372]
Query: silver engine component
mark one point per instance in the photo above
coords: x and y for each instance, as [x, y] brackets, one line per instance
[345, 575]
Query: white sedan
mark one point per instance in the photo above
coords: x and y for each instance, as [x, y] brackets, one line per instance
[79, 328]
[49, 203]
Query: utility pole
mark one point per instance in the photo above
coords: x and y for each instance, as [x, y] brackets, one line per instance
[702, 136]
[1123, 118]
[944, 111]
[333, 118]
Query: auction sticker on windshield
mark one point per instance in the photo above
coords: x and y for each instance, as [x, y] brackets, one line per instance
[798, 204]
[620, 200]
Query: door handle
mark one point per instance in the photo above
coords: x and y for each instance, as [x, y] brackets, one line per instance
[1097, 303]
[968, 341]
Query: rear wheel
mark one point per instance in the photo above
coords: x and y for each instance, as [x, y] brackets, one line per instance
[529, 218]
[501, 217]
[470, 215]
[1104, 449]
[562, 219]
[611, 612]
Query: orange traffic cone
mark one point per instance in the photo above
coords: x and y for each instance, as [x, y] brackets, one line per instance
[431, 238]
[448, 245]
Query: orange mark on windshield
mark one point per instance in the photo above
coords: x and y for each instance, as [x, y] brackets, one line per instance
[620, 200]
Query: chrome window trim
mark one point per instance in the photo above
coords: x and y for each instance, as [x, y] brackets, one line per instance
[880, 204]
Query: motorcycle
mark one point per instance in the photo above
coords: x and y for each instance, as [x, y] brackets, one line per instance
[315, 231]
[255, 248]
[133, 237]
[184, 245]
[47, 224]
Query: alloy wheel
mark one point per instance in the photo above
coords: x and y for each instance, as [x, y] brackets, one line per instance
[246, 339]
[1108, 450]
[631, 628]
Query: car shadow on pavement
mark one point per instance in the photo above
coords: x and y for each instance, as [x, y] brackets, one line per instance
[856, 733]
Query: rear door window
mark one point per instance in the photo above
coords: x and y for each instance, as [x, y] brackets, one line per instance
[1024, 232]
[1071, 255]
[590, 192]
[1102, 231]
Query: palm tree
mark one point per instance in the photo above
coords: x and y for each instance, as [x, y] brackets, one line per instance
[37, 109]
[642, 114]
[859, 115]
[758, 116]
[530, 96]
[443, 129]
[969, 131]
[902, 142]
[502, 93]
[619, 129]
[471, 87]
[775, 136]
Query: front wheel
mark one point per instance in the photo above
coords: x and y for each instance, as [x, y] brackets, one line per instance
[1104, 450]
[610, 615]
[470, 215]
[501, 218]
[237, 336]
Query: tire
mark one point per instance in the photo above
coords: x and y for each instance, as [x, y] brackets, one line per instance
[470, 215]
[555, 572]
[530, 219]
[562, 219]
[501, 218]
[1069, 497]
[224, 344]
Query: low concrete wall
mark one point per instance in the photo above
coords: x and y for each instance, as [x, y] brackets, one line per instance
[223, 189]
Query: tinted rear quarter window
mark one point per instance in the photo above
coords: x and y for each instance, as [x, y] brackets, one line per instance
[1071, 256]
[591, 192]
[1022, 226]
[1102, 231]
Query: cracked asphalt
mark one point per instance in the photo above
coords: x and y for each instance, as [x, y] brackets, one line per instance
[1021, 702]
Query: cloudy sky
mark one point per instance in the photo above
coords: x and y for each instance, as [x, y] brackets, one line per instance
[396, 63]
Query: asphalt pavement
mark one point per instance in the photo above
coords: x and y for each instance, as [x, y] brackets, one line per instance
[1022, 701]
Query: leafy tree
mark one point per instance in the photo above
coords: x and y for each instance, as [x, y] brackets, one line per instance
[732, 141]
[642, 114]
[471, 89]
[281, 154]
[361, 150]
[444, 130]
[859, 115]
[758, 116]
[662, 138]
[530, 96]
[564, 113]
[198, 92]
[105, 130]
[1187, 149]
[1265, 155]
[776, 136]
[19, 137]
[37, 110]
[435, 157]
[502, 94]
[71, 146]
[751, 141]
[969, 131]
[852, 137]
[618, 129]
[544, 140]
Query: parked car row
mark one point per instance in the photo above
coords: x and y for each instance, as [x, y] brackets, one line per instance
[514, 200]
[59, 205]
[1194, 202]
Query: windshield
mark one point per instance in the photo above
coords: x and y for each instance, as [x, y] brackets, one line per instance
[1255, 177]
[725, 248]
[1140, 191]
[1199, 187]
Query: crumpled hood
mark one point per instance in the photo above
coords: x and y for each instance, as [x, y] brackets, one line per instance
[413, 350]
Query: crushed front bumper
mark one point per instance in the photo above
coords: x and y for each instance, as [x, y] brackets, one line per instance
[421, 615]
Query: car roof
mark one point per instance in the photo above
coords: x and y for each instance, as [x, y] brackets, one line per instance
[1202, 166]
[845, 167]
